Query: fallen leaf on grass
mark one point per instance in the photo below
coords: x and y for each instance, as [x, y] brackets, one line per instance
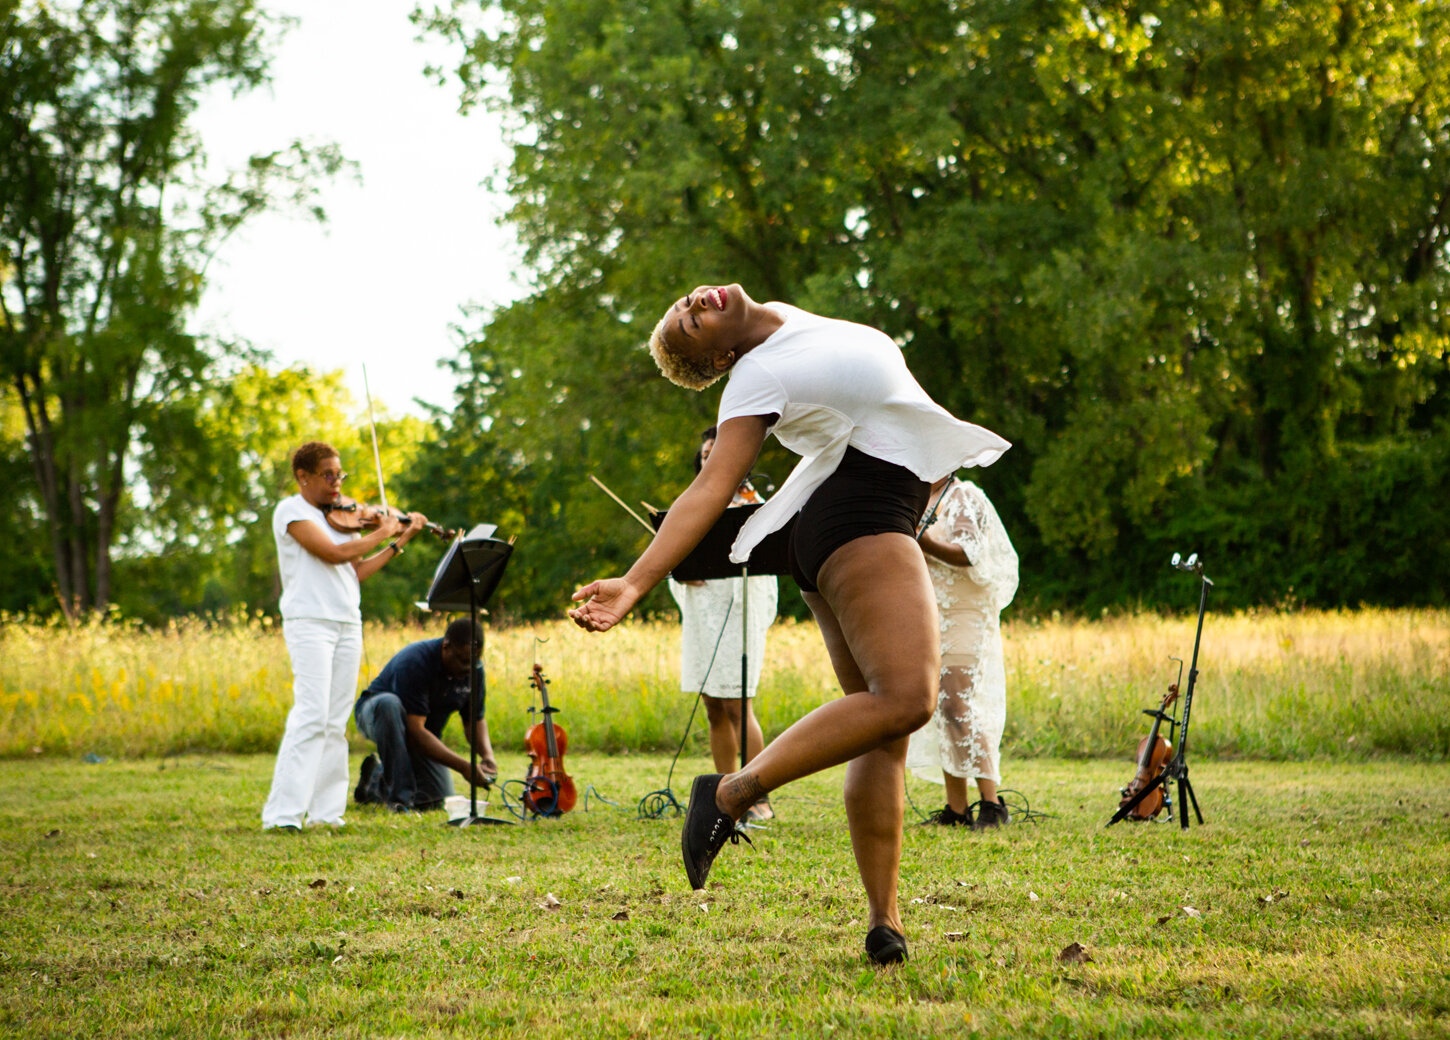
[955, 936]
[704, 908]
[54, 834]
[264, 891]
[551, 902]
[456, 893]
[1075, 953]
[1192, 912]
[623, 915]
[1032, 896]
[1165, 919]
[319, 883]
[1273, 897]
[512, 880]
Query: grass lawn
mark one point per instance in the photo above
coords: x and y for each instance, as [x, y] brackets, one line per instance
[142, 899]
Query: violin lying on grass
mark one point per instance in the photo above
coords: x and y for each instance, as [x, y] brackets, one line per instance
[347, 514]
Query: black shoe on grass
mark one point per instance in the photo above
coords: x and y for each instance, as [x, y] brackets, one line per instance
[885, 945]
[706, 830]
[360, 793]
[992, 814]
[946, 816]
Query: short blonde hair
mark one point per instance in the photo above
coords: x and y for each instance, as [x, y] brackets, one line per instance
[693, 373]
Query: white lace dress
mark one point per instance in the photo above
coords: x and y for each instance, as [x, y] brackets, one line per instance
[964, 736]
[710, 631]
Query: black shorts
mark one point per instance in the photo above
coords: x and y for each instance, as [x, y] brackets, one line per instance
[864, 496]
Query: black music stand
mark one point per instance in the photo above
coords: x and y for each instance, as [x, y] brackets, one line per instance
[466, 577]
[710, 561]
[1177, 767]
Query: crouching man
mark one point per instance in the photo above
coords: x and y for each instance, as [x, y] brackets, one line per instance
[404, 710]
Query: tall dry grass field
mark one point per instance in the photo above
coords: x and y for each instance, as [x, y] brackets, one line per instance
[1273, 685]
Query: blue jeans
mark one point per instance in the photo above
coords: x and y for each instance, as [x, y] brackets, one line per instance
[406, 778]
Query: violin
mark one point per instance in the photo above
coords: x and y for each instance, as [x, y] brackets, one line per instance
[548, 790]
[1153, 755]
[350, 515]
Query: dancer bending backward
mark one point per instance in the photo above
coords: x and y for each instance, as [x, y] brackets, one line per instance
[872, 444]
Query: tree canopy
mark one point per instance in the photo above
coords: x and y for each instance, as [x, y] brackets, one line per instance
[1190, 258]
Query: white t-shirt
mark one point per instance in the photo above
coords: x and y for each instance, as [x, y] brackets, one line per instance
[836, 384]
[312, 588]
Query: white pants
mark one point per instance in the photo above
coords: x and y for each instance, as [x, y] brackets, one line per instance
[309, 783]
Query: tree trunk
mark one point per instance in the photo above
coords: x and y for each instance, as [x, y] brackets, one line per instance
[42, 457]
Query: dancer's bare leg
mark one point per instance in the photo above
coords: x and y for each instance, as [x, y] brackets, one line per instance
[875, 803]
[878, 618]
[987, 789]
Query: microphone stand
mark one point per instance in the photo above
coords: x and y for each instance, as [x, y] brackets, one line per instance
[1177, 767]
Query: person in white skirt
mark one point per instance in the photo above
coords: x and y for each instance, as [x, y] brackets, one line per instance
[973, 571]
[710, 649]
[321, 570]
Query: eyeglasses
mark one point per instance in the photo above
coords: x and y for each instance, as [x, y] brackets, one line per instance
[332, 478]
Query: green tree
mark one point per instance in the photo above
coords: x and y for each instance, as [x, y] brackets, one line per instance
[105, 228]
[1190, 258]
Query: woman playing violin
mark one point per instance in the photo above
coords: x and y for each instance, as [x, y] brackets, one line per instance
[321, 570]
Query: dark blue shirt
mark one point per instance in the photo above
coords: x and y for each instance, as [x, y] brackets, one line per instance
[416, 676]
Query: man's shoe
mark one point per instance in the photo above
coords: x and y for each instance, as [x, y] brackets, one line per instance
[946, 816]
[992, 814]
[360, 792]
[885, 945]
[706, 830]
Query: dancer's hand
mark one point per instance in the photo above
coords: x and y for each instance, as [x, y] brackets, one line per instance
[603, 603]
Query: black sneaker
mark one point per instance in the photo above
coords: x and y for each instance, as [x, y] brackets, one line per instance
[992, 814]
[706, 830]
[360, 792]
[885, 945]
[946, 816]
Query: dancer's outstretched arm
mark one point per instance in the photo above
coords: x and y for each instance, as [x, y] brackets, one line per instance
[737, 445]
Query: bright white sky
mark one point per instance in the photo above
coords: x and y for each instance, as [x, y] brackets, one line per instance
[405, 248]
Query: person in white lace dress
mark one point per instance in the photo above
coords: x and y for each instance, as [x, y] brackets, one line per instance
[710, 649]
[973, 571]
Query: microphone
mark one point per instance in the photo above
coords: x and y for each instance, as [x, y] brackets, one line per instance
[1193, 563]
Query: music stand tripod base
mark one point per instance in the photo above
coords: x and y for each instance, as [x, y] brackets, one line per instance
[478, 821]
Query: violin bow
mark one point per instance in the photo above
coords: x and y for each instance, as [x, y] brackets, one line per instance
[377, 456]
[642, 522]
